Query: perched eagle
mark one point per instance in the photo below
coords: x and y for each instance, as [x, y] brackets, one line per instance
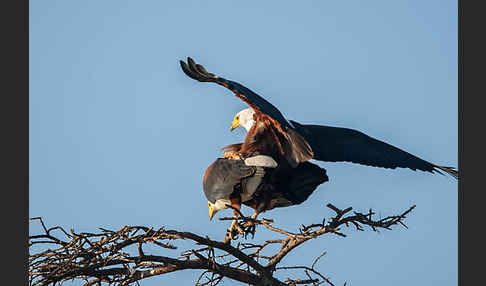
[290, 144]
[253, 182]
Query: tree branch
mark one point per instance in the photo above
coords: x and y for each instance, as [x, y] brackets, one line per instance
[117, 257]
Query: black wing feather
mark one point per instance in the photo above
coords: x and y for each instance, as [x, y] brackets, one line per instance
[335, 144]
[199, 73]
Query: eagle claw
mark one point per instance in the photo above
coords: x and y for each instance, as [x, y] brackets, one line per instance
[234, 230]
[244, 229]
[249, 228]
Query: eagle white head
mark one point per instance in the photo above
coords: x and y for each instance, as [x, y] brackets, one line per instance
[244, 119]
[220, 204]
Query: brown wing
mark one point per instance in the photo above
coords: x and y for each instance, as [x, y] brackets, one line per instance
[283, 138]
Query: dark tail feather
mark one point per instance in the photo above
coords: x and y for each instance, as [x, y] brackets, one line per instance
[303, 182]
[449, 170]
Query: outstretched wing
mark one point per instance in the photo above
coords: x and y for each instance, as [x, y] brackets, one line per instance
[334, 144]
[258, 103]
[294, 147]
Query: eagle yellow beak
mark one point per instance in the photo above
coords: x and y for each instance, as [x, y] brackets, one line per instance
[211, 211]
[235, 124]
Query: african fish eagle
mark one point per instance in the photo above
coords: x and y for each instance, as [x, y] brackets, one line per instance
[290, 143]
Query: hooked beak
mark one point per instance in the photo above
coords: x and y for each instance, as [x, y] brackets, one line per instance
[235, 124]
[211, 211]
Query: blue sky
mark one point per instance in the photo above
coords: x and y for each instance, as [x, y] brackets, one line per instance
[119, 135]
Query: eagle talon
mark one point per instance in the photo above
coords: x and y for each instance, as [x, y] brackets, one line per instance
[233, 235]
[239, 229]
[250, 228]
[235, 230]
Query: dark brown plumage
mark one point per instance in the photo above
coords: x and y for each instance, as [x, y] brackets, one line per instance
[272, 134]
[292, 145]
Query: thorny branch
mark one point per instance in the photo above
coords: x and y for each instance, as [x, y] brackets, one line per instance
[118, 258]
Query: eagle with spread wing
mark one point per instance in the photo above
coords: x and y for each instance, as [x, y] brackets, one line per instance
[291, 145]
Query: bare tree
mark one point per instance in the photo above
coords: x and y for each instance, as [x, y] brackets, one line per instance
[118, 257]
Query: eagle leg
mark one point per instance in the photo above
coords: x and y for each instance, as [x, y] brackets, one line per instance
[255, 214]
[235, 227]
[234, 230]
[250, 226]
